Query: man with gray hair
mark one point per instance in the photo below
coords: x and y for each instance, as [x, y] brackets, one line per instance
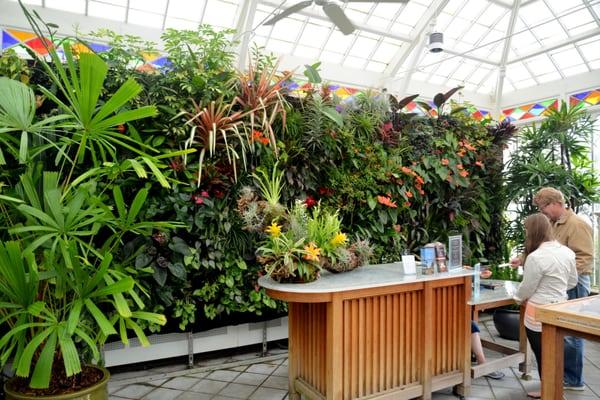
[574, 232]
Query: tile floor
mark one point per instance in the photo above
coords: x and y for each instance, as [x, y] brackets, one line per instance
[247, 376]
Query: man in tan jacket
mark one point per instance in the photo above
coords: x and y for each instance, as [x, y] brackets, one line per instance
[575, 233]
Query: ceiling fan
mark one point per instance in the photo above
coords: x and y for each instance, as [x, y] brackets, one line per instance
[332, 10]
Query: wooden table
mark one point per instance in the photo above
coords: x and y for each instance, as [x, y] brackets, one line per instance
[579, 317]
[374, 333]
[502, 295]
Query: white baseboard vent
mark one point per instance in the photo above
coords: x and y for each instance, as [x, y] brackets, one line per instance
[181, 344]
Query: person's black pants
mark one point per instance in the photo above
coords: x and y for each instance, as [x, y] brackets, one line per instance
[535, 341]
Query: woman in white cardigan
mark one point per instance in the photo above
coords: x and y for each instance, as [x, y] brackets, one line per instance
[548, 272]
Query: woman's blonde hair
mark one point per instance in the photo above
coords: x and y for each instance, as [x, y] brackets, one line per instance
[537, 231]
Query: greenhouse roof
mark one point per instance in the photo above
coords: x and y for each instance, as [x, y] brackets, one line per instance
[501, 51]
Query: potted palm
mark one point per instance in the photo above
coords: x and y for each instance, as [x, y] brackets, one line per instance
[62, 293]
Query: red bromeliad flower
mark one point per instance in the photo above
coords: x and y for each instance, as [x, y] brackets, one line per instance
[406, 204]
[310, 202]
[409, 194]
[464, 173]
[445, 161]
[479, 164]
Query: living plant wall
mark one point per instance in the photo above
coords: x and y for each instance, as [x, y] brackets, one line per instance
[397, 180]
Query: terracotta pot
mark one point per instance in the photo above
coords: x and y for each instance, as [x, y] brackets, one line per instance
[99, 391]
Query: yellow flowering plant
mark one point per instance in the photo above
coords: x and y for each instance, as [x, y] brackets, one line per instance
[302, 242]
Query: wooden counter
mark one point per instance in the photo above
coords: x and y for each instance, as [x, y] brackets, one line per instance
[374, 333]
[579, 317]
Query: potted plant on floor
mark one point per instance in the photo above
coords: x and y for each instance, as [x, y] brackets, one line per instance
[506, 319]
[62, 293]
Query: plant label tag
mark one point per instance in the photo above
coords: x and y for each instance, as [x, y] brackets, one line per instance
[409, 266]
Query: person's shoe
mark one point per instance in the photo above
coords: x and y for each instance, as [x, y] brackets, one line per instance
[495, 375]
[576, 388]
[534, 395]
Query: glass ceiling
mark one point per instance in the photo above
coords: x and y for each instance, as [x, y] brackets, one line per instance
[549, 40]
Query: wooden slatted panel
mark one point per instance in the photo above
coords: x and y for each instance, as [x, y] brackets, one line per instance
[448, 332]
[312, 344]
[385, 332]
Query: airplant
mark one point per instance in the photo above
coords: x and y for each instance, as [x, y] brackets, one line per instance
[62, 294]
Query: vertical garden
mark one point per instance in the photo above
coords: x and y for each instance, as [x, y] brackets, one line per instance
[173, 181]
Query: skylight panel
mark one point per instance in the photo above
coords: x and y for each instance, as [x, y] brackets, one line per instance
[463, 71]
[535, 12]
[379, 22]
[454, 6]
[419, 76]
[568, 57]
[594, 64]
[540, 64]
[388, 10]
[363, 47]
[220, 13]
[355, 62]
[279, 46]
[517, 72]
[488, 84]
[456, 28]
[180, 23]
[74, 6]
[443, 21]
[549, 33]
[386, 51]
[314, 35]
[491, 15]
[364, 7]
[359, 17]
[331, 57]
[524, 42]
[145, 18]
[472, 10]
[376, 66]
[507, 87]
[576, 19]
[575, 70]
[339, 42]
[258, 28]
[436, 79]
[104, 10]
[154, 6]
[476, 34]
[447, 66]
[582, 28]
[288, 29]
[307, 52]
[590, 49]
[412, 13]
[401, 29]
[524, 83]
[185, 9]
[552, 76]
[559, 6]
[478, 75]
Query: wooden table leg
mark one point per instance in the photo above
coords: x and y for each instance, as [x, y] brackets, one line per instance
[293, 358]
[525, 366]
[552, 362]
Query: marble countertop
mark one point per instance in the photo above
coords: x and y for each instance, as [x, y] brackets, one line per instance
[368, 276]
[504, 291]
